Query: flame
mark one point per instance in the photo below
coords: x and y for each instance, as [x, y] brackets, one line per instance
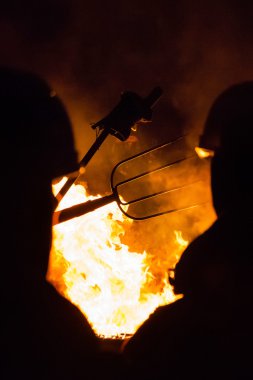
[115, 288]
[179, 238]
[203, 152]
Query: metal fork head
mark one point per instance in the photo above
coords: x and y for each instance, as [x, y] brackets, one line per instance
[165, 179]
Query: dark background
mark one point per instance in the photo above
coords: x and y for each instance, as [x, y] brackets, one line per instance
[91, 51]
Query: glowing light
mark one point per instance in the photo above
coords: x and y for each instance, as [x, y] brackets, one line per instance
[204, 153]
[181, 241]
[115, 288]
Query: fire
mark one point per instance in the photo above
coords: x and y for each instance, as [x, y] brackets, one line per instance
[181, 241]
[92, 268]
[204, 153]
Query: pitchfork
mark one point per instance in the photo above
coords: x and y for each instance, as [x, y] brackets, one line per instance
[149, 184]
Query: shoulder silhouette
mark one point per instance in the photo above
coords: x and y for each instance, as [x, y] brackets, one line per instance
[207, 334]
[43, 335]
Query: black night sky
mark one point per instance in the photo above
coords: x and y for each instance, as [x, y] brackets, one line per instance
[91, 51]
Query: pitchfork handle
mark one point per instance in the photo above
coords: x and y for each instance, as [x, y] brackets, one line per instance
[81, 209]
[100, 139]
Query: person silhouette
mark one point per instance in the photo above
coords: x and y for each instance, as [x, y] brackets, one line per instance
[208, 332]
[43, 335]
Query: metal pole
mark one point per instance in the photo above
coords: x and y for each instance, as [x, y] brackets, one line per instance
[81, 209]
[83, 163]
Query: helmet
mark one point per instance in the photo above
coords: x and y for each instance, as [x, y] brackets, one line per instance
[36, 131]
[229, 121]
[227, 135]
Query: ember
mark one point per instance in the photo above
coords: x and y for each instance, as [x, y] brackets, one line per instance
[90, 266]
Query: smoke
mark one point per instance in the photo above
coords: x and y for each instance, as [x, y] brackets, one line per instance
[92, 51]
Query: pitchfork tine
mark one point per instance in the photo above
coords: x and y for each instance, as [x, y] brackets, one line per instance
[151, 171]
[161, 213]
[155, 194]
[148, 151]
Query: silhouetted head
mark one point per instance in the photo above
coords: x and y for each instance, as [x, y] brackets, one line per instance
[36, 145]
[212, 261]
[35, 126]
[227, 135]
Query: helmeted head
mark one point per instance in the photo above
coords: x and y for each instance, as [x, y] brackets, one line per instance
[227, 138]
[35, 124]
[211, 263]
[37, 146]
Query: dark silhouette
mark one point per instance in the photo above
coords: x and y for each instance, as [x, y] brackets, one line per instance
[208, 333]
[43, 336]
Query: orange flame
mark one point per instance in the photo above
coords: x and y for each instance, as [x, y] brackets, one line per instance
[91, 267]
[204, 153]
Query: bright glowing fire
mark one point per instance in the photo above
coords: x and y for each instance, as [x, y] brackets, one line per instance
[91, 267]
[204, 153]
